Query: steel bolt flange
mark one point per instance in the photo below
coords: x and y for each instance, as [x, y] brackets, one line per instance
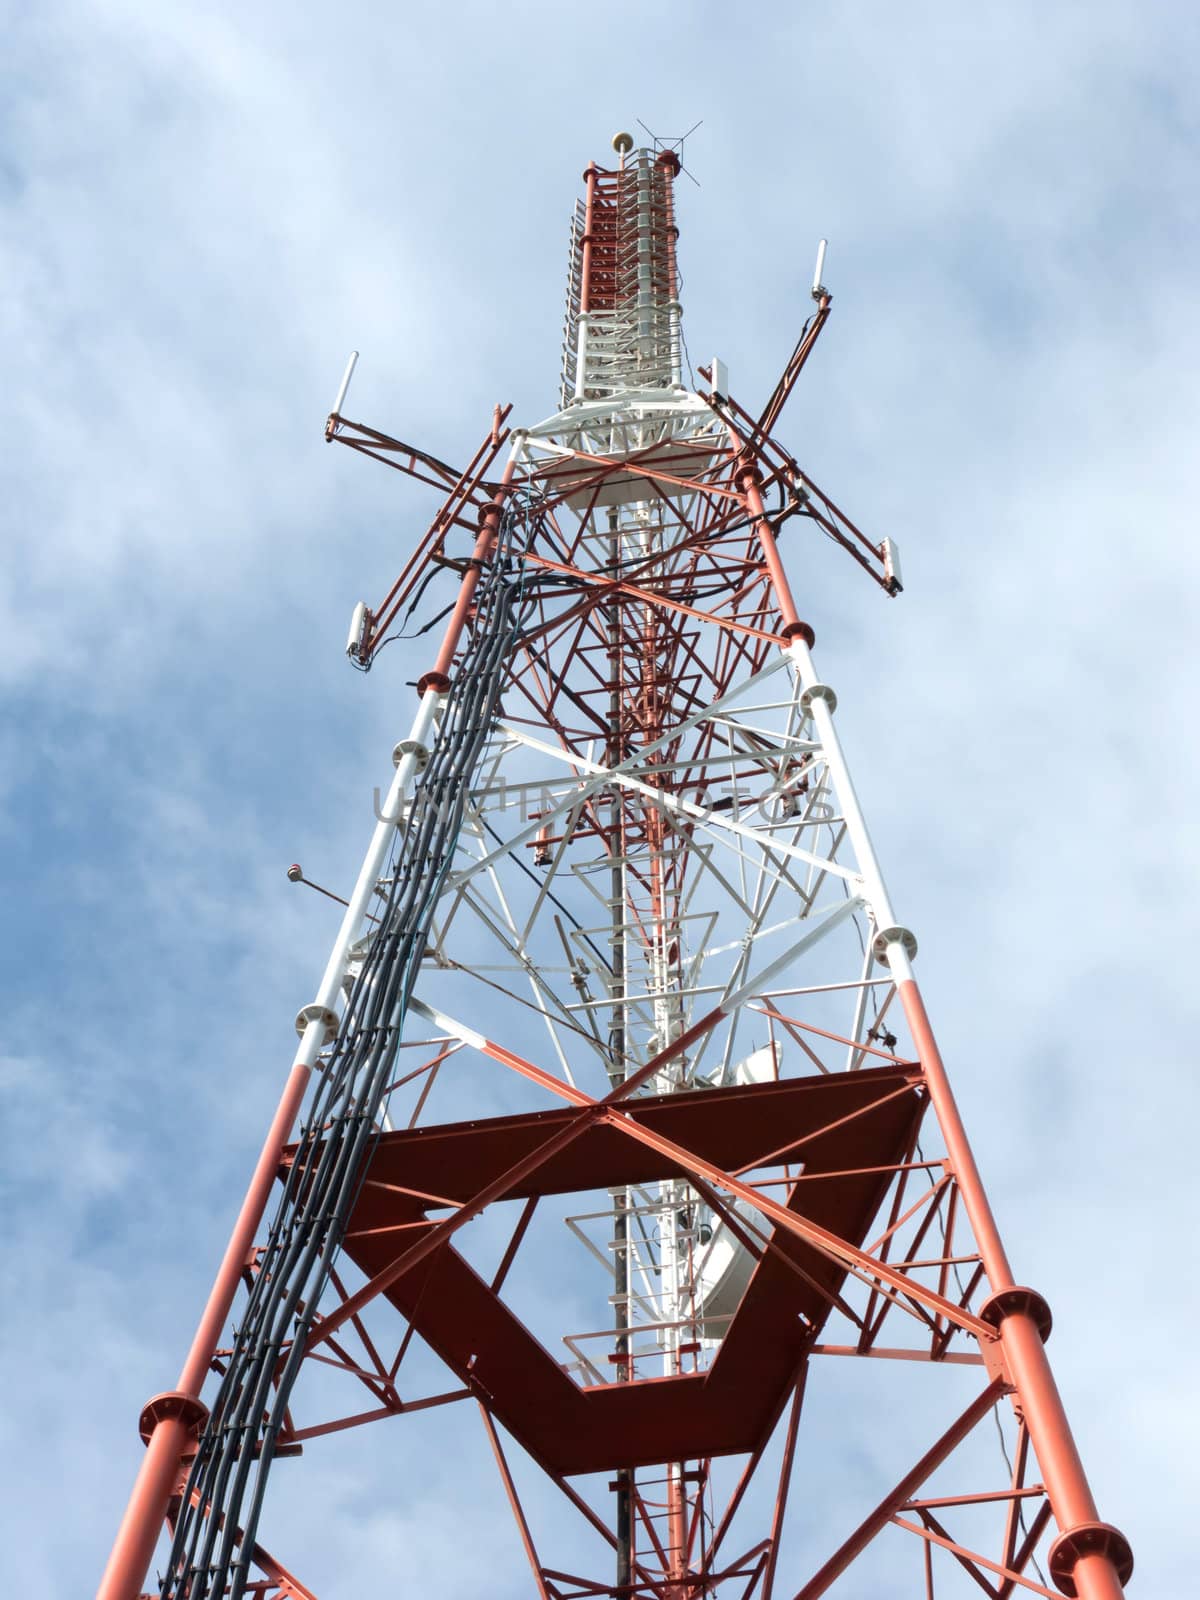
[1018, 1300]
[172, 1403]
[411, 747]
[818, 691]
[886, 937]
[1089, 1539]
[316, 1013]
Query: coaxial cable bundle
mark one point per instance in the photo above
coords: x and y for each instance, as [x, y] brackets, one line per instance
[218, 1517]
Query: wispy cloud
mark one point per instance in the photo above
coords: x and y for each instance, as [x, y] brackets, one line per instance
[199, 215]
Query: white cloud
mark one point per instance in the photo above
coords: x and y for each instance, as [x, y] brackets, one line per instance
[200, 215]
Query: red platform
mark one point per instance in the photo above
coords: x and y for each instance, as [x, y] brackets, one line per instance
[732, 1407]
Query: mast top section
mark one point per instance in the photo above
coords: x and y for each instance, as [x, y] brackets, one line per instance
[630, 438]
[622, 329]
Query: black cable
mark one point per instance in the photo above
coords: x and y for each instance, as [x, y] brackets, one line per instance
[430, 836]
[233, 1459]
[228, 1476]
[553, 899]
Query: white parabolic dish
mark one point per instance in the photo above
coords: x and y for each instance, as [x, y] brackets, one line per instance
[724, 1265]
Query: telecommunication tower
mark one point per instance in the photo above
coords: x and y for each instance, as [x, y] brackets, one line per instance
[620, 1023]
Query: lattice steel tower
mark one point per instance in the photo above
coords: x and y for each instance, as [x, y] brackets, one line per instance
[620, 1115]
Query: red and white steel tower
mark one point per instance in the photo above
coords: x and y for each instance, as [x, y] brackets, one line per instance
[622, 904]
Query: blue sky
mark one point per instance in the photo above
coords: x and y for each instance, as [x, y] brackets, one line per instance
[202, 209]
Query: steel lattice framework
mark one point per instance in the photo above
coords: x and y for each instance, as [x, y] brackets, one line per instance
[623, 831]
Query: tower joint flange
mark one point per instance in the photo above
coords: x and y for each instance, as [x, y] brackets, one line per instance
[411, 747]
[1018, 1300]
[173, 1404]
[818, 691]
[887, 937]
[1089, 1539]
[317, 1013]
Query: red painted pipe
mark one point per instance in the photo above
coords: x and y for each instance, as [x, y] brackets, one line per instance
[439, 677]
[904, 1490]
[1092, 1576]
[171, 1436]
[749, 479]
[585, 262]
[143, 1519]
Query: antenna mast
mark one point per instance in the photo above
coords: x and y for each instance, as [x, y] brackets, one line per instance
[620, 1027]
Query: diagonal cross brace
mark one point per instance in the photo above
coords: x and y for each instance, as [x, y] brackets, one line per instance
[610, 1110]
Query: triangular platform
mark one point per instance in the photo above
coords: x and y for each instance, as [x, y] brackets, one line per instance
[856, 1125]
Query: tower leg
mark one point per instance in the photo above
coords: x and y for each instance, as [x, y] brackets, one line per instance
[139, 1530]
[1091, 1558]
[168, 1433]
[171, 1435]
